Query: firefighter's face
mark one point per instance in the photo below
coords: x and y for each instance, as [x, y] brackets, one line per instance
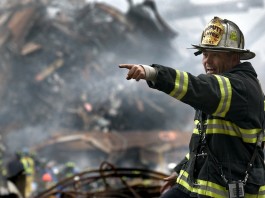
[218, 62]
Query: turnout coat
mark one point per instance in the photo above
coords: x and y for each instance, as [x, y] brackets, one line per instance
[228, 123]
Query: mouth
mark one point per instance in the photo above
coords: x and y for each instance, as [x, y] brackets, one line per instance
[210, 70]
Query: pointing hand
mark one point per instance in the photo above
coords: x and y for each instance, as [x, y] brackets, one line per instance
[136, 72]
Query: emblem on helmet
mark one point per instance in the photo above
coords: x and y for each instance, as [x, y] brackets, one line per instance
[213, 33]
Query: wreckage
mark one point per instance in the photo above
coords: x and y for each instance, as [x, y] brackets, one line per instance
[56, 67]
[60, 86]
[110, 182]
[59, 76]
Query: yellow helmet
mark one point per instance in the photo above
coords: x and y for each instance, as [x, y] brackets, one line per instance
[223, 35]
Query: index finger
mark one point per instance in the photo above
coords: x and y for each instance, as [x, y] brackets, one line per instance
[128, 66]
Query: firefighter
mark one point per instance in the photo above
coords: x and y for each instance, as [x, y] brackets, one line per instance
[225, 156]
[15, 173]
[69, 169]
[29, 170]
[8, 189]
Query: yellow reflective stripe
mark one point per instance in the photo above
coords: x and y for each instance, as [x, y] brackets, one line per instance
[28, 165]
[181, 85]
[226, 96]
[188, 156]
[260, 195]
[195, 130]
[262, 191]
[203, 187]
[217, 126]
[211, 189]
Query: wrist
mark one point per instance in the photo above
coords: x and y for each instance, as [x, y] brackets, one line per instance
[150, 72]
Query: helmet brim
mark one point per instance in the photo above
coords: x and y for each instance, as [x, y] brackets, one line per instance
[245, 54]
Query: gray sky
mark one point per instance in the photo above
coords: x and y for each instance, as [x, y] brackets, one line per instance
[245, 20]
[190, 27]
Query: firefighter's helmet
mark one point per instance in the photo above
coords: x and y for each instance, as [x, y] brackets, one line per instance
[223, 35]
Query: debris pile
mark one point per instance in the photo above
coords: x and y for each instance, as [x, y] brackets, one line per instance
[109, 181]
[59, 76]
[60, 70]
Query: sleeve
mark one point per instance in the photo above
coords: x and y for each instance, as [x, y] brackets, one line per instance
[210, 93]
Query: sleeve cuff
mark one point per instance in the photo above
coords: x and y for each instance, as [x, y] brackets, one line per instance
[150, 73]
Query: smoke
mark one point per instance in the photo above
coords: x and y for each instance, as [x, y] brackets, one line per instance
[90, 75]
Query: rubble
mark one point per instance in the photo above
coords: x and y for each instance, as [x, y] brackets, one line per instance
[62, 63]
[110, 182]
[59, 76]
